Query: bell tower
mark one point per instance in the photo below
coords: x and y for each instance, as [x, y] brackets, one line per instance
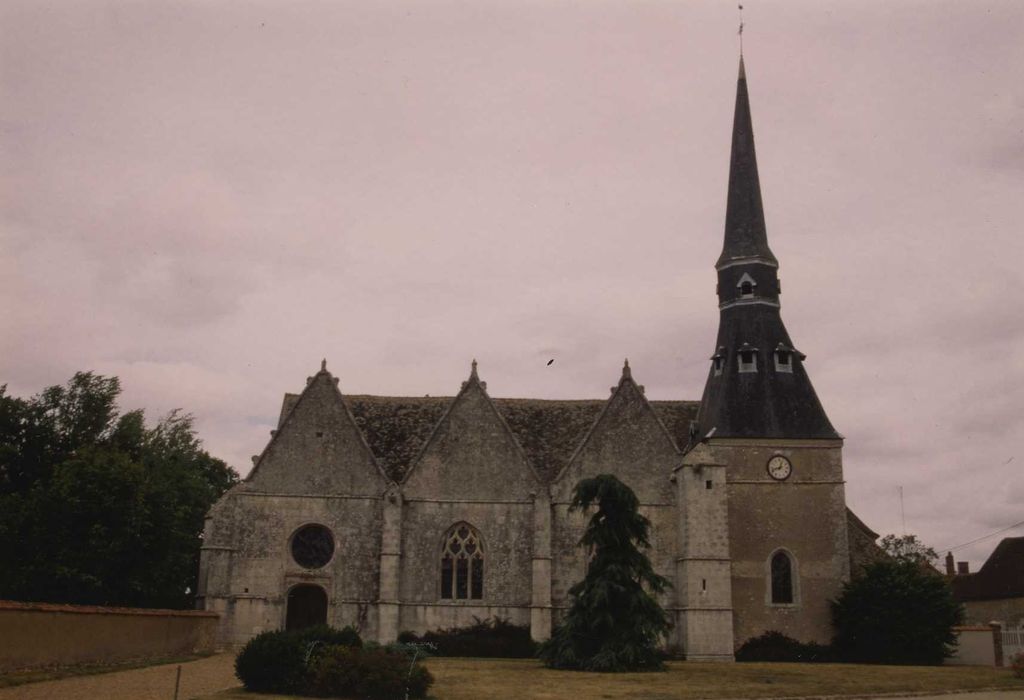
[756, 386]
[762, 425]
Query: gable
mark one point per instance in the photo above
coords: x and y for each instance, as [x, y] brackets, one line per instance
[549, 431]
[471, 455]
[397, 428]
[317, 449]
[627, 440]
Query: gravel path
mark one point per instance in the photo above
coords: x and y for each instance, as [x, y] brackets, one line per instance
[200, 677]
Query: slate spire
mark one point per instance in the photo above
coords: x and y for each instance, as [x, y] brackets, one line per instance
[757, 386]
[745, 235]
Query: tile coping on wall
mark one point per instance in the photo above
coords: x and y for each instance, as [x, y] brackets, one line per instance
[101, 610]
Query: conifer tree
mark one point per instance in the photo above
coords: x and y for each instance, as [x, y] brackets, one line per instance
[614, 623]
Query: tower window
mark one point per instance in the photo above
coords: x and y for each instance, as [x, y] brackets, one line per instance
[746, 286]
[462, 564]
[747, 357]
[781, 579]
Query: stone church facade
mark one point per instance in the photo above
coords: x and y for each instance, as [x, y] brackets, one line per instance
[393, 514]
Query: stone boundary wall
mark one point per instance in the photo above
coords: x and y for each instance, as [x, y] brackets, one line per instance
[38, 635]
[978, 645]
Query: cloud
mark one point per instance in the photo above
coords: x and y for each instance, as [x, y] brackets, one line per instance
[206, 200]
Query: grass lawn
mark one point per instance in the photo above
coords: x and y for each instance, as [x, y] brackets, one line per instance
[516, 679]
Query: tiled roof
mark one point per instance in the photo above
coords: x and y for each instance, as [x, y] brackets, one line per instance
[1001, 576]
[396, 428]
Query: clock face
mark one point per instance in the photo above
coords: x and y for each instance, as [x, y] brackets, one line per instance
[779, 468]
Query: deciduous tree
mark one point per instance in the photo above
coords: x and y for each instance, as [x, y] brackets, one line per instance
[96, 507]
[896, 612]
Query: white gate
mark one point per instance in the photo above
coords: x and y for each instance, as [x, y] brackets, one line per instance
[1013, 642]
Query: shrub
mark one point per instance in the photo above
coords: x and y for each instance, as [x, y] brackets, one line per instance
[272, 662]
[370, 673]
[896, 612]
[497, 638]
[328, 636]
[777, 647]
[278, 661]
[1017, 664]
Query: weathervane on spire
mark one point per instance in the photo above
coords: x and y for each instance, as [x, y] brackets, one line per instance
[741, 30]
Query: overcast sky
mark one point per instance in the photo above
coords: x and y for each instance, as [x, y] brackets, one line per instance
[206, 198]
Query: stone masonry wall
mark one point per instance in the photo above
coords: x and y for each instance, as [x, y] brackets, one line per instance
[472, 470]
[805, 515]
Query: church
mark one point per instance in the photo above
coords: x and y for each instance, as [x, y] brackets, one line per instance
[396, 513]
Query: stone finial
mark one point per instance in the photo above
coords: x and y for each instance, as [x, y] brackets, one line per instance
[323, 365]
[627, 373]
[472, 371]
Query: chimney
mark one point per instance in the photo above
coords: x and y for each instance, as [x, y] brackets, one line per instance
[963, 567]
[950, 568]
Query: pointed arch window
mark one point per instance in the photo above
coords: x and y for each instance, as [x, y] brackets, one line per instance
[462, 564]
[782, 579]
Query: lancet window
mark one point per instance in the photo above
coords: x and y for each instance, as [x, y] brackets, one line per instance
[782, 579]
[462, 564]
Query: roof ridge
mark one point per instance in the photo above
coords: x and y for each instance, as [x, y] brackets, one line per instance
[506, 398]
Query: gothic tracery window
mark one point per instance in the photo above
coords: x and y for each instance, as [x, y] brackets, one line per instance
[462, 564]
[782, 579]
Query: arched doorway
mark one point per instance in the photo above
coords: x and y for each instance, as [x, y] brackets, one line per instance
[307, 606]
